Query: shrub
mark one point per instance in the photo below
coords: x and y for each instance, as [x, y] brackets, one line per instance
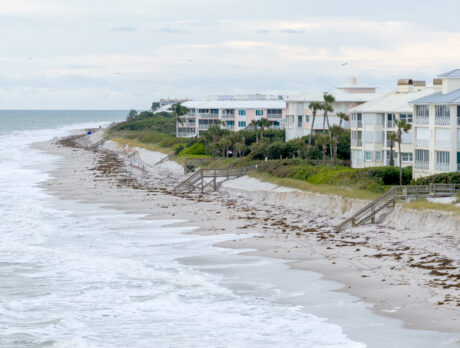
[195, 149]
[443, 178]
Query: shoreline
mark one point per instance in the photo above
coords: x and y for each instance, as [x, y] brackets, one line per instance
[280, 238]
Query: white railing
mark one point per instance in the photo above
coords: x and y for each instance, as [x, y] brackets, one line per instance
[442, 120]
[442, 166]
[228, 116]
[208, 115]
[356, 142]
[275, 116]
[421, 120]
[422, 165]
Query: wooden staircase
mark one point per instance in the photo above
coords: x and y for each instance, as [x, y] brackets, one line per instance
[164, 159]
[390, 197]
[208, 177]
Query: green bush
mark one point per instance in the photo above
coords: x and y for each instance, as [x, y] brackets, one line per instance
[444, 178]
[195, 149]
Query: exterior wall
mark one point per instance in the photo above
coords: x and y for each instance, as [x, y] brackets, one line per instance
[370, 135]
[194, 122]
[298, 109]
[439, 131]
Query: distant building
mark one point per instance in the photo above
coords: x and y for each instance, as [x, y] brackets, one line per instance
[169, 101]
[373, 122]
[437, 132]
[231, 114]
[299, 116]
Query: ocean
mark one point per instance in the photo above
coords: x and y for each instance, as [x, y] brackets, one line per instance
[76, 274]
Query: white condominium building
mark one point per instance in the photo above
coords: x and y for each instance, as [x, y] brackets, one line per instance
[234, 115]
[299, 115]
[437, 127]
[373, 122]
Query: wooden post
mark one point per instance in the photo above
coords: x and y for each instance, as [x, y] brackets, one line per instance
[373, 216]
[202, 187]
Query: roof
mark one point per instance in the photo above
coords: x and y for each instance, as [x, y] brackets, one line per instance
[236, 104]
[439, 98]
[451, 74]
[164, 108]
[339, 95]
[393, 102]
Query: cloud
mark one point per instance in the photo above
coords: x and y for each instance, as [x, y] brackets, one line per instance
[292, 31]
[127, 28]
[169, 30]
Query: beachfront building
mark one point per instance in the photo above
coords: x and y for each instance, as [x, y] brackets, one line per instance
[437, 127]
[299, 116]
[230, 114]
[372, 124]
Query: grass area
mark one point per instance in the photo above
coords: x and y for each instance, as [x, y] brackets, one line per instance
[303, 185]
[423, 204]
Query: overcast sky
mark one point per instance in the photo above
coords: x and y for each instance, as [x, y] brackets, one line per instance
[121, 54]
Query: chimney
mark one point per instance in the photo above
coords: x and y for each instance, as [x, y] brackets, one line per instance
[419, 83]
[405, 85]
[353, 80]
[437, 85]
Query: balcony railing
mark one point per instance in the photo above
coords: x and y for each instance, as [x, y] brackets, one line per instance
[275, 116]
[421, 120]
[356, 142]
[228, 115]
[442, 166]
[442, 120]
[208, 115]
[421, 165]
[356, 124]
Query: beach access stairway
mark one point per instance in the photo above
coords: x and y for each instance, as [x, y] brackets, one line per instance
[164, 159]
[396, 193]
[208, 178]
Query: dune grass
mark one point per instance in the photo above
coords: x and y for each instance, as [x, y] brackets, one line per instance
[303, 185]
[423, 204]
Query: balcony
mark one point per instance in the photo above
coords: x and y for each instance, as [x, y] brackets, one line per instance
[356, 142]
[425, 165]
[215, 116]
[356, 124]
[421, 120]
[275, 116]
[228, 116]
[442, 120]
[442, 166]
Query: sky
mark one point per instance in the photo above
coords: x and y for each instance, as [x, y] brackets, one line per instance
[120, 54]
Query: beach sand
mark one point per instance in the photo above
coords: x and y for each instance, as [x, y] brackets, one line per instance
[409, 274]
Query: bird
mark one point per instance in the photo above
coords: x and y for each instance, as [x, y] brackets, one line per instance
[344, 64]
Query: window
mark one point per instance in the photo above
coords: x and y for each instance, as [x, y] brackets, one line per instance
[367, 137]
[442, 140]
[241, 112]
[422, 137]
[274, 113]
[442, 161]
[379, 119]
[242, 124]
[422, 110]
[442, 111]
[191, 112]
[406, 117]
[290, 121]
[390, 120]
[407, 138]
[203, 111]
[259, 112]
[422, 159]
[368, 119]
[378, 156]
[458, 115]
[356, 157]
[378, 137]
[368, 156]
[214, 111]
[307, 119]
[356, 120]
[299, 121]
[406, 156]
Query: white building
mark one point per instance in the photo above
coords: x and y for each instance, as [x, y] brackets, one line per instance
[373, 122]
[437, 132]
[299, 116]
[230, 114]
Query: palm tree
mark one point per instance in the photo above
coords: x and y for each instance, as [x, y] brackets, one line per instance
[402, 126]
[343, 117]
[392, 138]
[234, 138]
[323, 140]
[314, 107]
[327, 107]
[178, 111]
[256, 125]
[263, 123]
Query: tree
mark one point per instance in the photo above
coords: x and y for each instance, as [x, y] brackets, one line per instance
[314, 107]
[155, 105]
[131, 115]
[178, 111]
[343, 117]
[234, 138]
[323, 140]
[392, 138]
[263, 123]
[402, 126]
[327, 107]
[255, 124]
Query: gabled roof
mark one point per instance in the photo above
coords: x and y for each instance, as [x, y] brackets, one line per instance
[236, 104]
[439, 98]
[393, 102]
[451, 74]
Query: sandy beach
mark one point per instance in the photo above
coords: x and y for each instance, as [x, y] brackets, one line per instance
[408, 274]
